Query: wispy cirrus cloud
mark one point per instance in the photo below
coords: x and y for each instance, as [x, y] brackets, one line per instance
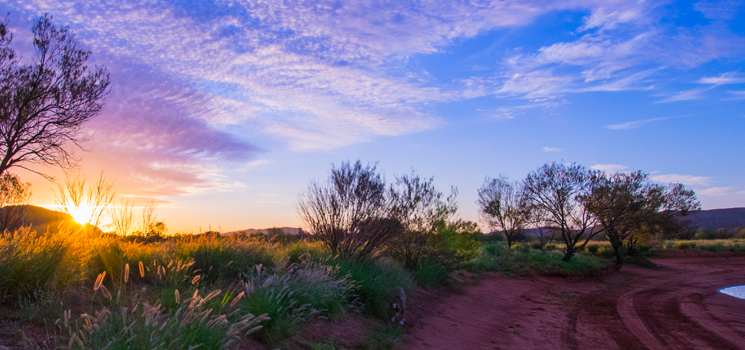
[719, 9]
[684, 179]
[686, 95]
[724, 79]
[714, 191]
[620, 47]
[633, 124]
[737, 95]
[551, 149]
[609, 168]
[200, 81]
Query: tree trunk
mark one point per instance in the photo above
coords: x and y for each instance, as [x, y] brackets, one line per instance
[619, 259]
[568, 255]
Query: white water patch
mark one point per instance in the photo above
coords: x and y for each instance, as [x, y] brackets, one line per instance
[736, 291]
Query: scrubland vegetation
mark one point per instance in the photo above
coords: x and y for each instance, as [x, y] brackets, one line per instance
[138, 288]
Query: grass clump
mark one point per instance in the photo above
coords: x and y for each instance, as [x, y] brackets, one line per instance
[30, 262]
[294, 293]
[383, 339]
[495, 257]
[143, 325]
[376, 281]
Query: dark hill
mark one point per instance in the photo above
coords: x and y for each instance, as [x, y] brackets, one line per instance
[730, 218]
[40, 219]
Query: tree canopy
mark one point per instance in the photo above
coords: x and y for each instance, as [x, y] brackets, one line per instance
[44, 104]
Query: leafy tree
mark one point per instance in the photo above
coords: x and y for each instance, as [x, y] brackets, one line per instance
[420, 209]
[14, 195]
[503, 206]
[630, 208]
[556, 191]
[349, 212]
[44, 104]
[624, 203]
[670, 205]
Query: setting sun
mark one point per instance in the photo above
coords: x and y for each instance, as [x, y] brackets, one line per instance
[82, 214]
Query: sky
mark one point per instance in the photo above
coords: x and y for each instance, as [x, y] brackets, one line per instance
[222, 112]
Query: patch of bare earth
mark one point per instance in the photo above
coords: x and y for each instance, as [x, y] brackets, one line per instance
[676, 306]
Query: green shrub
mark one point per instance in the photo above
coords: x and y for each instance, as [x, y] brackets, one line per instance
[377, 281]
[432, 273]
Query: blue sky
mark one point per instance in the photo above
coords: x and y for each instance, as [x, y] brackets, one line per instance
[222, 111]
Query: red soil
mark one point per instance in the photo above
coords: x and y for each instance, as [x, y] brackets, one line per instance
[676, 306]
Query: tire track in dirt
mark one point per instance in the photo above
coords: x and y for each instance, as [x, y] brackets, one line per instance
[660, 310]
[677, 306]
[600, 310]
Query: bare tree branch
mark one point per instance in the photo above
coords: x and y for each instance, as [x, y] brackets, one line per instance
[43, 105]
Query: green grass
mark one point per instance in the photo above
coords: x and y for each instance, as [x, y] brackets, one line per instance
[432, 273]
[494, 257]
[328, 345]
[377, 281]
[384, 339]
[292, 294]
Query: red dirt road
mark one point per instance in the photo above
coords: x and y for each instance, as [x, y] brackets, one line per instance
[677, 306]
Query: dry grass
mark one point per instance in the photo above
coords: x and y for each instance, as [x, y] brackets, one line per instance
[182, 292]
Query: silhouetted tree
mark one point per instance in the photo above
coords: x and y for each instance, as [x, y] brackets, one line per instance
[556, 190]
[84, 202]
[44, 104]
[122, 217]
[420, 209]
[349, 212]
[503, 206]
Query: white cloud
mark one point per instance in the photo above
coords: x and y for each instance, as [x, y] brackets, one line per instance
[693, 94]
[718, 10]
[684, 179]
[738, 95]
[714, 191]
[551, 149]
[259, 162]
[633, 124]
[726, 78]
[609, 168]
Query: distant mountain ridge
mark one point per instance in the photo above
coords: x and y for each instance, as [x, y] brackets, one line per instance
[712, 219]
[290, 230]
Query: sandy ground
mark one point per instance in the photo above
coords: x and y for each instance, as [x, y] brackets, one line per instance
[676, 306]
